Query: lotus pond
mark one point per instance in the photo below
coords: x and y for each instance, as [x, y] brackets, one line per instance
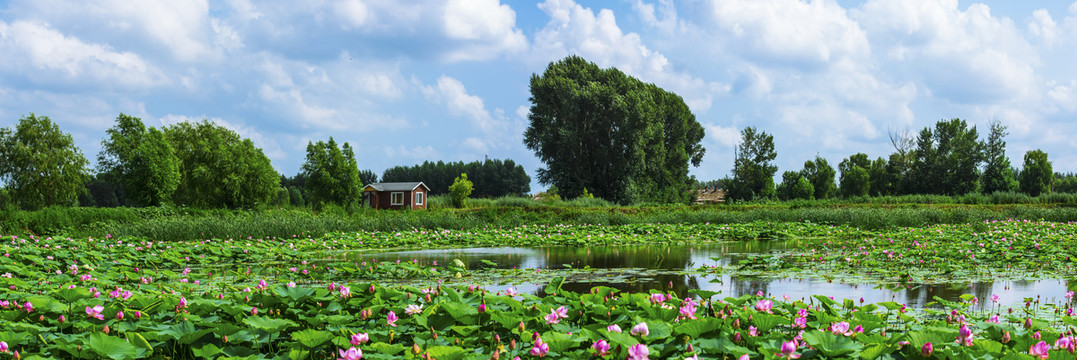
[786, 290]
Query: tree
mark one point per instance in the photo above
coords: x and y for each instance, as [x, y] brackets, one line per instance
[141, 160]
[879, 180]
[855, 179]
[1037, 175]
[367, 177]
[219, 168]
[795, 186]
[947, 160]
[821, 175]
[492, 178]
[40, 165]
[997, 174]
[332, 174]
[460, 190]
[753, 173]
[622, 139]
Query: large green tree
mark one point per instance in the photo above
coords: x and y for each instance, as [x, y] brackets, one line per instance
[142, 161]
[40, 165]
[794, 186]
[332, 174]
[219, 168]
[947, 159]
[821, 175]
[753, 170]
[998, 175]
[855, 175]
[601, 130]
[1037, 174]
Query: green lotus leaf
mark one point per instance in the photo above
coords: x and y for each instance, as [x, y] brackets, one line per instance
[269, 324]
[311, 338]
[113, 347]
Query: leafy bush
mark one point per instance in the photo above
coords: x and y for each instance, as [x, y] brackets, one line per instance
[460, 190]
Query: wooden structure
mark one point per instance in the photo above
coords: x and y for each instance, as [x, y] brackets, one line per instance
[396, 195]
[709, 196]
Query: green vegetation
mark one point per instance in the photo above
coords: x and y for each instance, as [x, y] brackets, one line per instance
[296, 297]
[332, 175]
[41, 164]
[141, 161]
[492, 178]
[1037, 174]
[460, 190]
[219, 168]
[753, 172]
[624, 140]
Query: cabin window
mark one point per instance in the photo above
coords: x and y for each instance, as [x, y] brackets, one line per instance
[396, 198]
[418, 198]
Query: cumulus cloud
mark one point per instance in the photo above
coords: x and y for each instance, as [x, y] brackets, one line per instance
[495, 129]
[790, 32]
[574, 29]
[485, 27]
[60, 59]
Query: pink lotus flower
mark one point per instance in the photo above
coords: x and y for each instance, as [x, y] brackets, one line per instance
[350, 354]
[511, 291]
[638, 352]
[994, 298]
[687, 312]
[602, 348]
[641, 329]
[540, 348]
[119, 315]
[361, 338]
[95, 312]
[3, 346]
[613, 328]
[789, 349]
[413, 309]
[743, 357]
[964, 336]
[1039, 350]
[254, 311]
[1067, 343]
[658, 298]
[482, 307]
[840, 328]
[391, 318]
[764, 305]
[993, 319]
[927, 350]
[800, 322]
[28, 306]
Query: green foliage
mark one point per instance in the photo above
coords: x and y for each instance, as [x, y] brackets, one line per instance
[879, 180]
[220, 169]
[947, 160]
[492, 178]
[1037, 174]
[622, 139]
[586, 195]
[753, 172]
[998, 175]
[1065, 183]
[460, 190]
[40, 165]
[141, 161]
[332, 175]
[821, 176]
[855, 179]
[795, 186]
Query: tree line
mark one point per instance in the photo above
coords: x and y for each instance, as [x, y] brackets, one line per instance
[947, 159]
[202, 165]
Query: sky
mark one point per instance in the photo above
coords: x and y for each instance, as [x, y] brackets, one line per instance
[410, 81]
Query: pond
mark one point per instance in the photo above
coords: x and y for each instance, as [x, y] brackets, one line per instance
[639, 268]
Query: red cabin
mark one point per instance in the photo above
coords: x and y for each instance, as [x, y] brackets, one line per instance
[396, 195]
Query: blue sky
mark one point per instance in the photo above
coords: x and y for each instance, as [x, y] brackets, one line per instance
[405, 82]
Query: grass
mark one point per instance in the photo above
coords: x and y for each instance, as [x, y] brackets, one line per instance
[184, 224]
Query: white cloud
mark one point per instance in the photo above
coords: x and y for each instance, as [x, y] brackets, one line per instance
[182, 28]
[486, 27]
[795, 32]
[573, 29]
[46, 56]
[416, 152]
[1043, 27]
[452, 93]
[724, 136]
[962, 56]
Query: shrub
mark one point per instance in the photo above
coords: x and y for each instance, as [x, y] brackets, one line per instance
[460, 190]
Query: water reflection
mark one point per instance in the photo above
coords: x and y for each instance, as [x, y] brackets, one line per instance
[642, 268]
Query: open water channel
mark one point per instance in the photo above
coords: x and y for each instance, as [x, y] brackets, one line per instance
[640, 268]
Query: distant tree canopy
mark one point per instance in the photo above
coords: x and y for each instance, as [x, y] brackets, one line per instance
[753, 170]
[140, 161]
[1037, 175]
[947, 160]
[219, 168]
[820, 174]
[601, 130]
[491, 178]
[855, 179]
[40, 165]
[332, 174]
